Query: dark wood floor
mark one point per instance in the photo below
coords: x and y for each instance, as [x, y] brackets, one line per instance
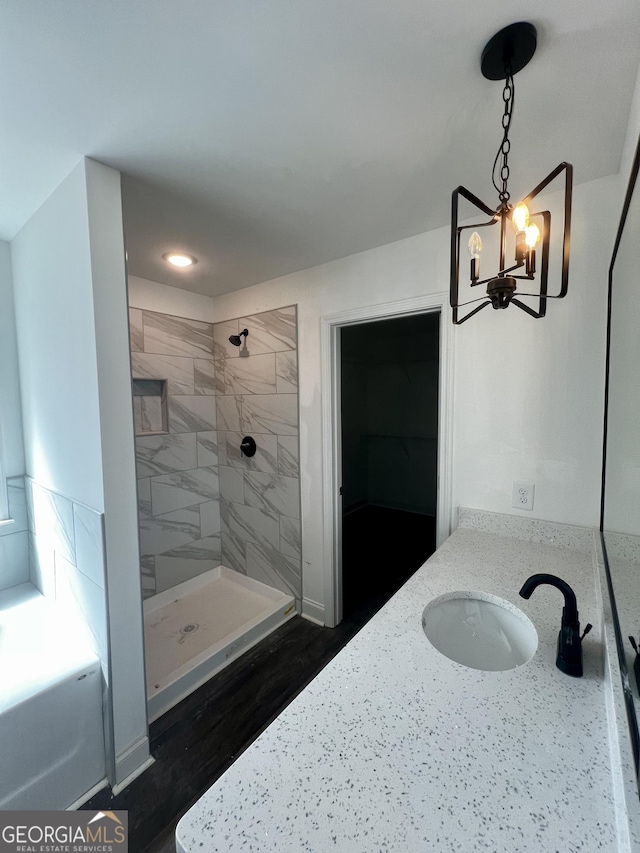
[195, 742]
[381, 549]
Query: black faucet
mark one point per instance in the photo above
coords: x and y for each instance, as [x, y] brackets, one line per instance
[569, 659]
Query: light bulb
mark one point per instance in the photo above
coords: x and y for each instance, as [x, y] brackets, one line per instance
[475, 246]
[180, 259]
[532, 236]
[520, 217]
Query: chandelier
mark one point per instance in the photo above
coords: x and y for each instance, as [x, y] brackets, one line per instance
[521, 229]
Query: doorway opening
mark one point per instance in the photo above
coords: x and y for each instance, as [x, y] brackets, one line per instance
[389, 417]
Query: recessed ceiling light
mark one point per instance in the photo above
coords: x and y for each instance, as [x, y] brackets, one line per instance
[180, 259]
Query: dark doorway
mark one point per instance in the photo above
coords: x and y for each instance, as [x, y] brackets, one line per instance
[389, 416]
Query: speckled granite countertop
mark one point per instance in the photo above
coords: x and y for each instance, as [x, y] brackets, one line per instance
[393, 747]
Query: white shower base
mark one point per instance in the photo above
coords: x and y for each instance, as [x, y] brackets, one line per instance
[195, 629]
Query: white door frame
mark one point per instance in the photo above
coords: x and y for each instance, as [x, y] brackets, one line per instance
[331, 429]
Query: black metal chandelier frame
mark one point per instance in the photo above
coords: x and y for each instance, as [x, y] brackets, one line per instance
[506, 53]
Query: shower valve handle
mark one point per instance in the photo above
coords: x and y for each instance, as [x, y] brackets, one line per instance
[248, 446]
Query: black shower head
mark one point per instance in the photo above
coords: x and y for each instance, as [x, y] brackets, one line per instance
[236, 340]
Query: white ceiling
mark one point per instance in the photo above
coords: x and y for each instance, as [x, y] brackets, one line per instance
[267, 136]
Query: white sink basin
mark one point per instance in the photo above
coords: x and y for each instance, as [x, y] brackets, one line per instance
[480, 630]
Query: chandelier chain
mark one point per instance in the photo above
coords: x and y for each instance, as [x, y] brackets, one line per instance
[500, 172]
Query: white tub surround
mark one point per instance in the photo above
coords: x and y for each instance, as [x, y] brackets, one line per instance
[176, 448]
[257, 387]
[201, 501]
[395, 747]
[51, 735]
[14, 536]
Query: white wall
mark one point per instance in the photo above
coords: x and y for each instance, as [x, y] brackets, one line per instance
[11, 444]
[124, 595]
[528, 393]
[153, 296]
[72, 329]
[387, 273]
[56, 345]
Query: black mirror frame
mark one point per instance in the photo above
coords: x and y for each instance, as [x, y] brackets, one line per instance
[634, 731]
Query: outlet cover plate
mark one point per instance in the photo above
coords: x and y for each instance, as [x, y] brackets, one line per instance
[522, 497]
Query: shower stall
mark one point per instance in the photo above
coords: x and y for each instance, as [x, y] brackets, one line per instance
[216, 423]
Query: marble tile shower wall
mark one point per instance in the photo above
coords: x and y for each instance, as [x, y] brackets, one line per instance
[14, 538]
[257, 395]
[66, 559]
[179, 510]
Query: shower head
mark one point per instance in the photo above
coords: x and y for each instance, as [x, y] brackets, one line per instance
[236, 339]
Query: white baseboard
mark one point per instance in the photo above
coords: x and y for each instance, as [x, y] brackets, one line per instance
[130, 764]
[129, 779]
[126, 760]
[313, 611]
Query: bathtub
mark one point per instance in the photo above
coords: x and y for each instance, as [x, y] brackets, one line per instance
[51, 729]
[195, 629]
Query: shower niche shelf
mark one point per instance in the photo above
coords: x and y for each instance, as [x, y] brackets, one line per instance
[150, 414]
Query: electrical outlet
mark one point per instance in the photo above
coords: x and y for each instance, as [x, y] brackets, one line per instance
[523, 495]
